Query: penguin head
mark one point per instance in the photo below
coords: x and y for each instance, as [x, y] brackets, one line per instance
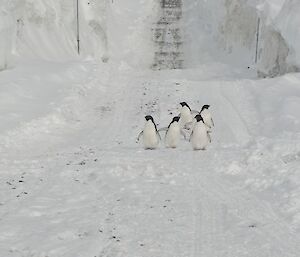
[149, 117]
[198, 118]
[185, 104]
[206, 106]
[176, 119]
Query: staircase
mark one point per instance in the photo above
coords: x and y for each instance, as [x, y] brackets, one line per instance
[167, 36]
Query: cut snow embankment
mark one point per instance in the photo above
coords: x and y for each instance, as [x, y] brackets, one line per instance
[49, 31]
[6, 42]
[288, 23]
[263, 34]
[215, 30]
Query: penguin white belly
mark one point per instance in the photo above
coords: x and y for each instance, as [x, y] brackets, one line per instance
[185, 116]
[150, 137]
[199, 138]
[207, 119]
[173, 136]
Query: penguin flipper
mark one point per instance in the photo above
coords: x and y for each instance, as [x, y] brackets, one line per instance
[191, 136]
[161, 129]
[138, 138]
[212, 122]
[158, 135]
[183, 134]
[209, 137]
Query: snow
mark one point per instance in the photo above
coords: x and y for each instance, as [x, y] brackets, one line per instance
[6, 34]
[74, 182]
[288, 22]
[48, 30]
[223, 31]
[227, 31]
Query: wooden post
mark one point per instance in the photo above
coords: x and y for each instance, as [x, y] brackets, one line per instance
[257, 39]
[78, 40]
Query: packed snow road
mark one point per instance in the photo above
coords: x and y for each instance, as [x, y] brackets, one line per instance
[75, 183]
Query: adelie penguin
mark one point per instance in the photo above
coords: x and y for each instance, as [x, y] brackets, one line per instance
[173, 132]
[207, 118]
[185, 114]
[200, 137]
[150, 134]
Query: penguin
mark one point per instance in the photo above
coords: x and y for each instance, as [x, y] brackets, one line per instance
[173, 133]
[207, 118]
[200, 137]
[189, 126]
[185, 114]
[150, 134]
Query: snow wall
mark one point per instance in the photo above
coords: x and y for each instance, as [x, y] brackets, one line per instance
[221, 30]
[109, 30]
[121, 32]
[227, 31]
[6, 38]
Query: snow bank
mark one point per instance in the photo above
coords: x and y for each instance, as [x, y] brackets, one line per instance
[120, 30]
[48, 30]
[269, 166]
[129, 31]
[279, 51]
[34, 90]
[226, 31]
[6, 35]
[288, 23]
[220, 31]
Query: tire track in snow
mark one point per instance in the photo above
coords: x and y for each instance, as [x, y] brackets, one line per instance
[233, 118]
[208, 220]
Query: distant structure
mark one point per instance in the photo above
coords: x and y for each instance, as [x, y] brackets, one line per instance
[167, 36]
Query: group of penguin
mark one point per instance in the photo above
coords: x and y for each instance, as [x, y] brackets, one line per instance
[199, 128]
